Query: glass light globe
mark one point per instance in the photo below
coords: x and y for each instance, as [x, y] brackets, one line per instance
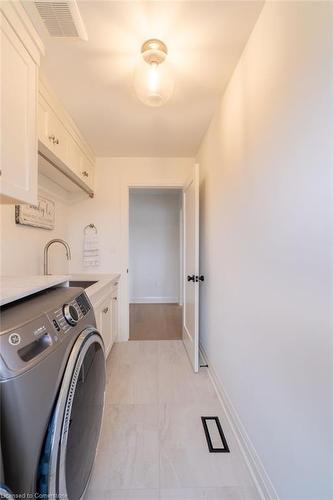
[153, 81]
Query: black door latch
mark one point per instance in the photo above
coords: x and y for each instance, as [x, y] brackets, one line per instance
[196, 279]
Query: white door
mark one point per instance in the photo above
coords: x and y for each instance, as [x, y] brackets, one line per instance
[191, 268]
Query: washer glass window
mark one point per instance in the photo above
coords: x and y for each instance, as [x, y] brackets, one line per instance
[85, 421]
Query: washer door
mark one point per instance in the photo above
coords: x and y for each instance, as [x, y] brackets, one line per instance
[74, 429]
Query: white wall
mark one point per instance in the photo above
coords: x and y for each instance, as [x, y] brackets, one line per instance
[108, 210]
[266, 162]
[154, 242]
[22, 246]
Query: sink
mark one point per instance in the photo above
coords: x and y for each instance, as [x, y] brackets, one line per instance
[81, 284]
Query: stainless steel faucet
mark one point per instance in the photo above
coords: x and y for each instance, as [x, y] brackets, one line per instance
[46, 253]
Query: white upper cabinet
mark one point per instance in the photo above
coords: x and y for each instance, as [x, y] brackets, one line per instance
[20, 53]
[32, 119]
[87, 170]
[81, 164]
[60, 141]
[43, 128]
[51, 131]
[74, 156]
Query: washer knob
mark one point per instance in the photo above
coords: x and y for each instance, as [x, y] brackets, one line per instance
[71, 315]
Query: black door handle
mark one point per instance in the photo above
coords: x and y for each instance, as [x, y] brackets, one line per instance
[199, 278]
[191, 278]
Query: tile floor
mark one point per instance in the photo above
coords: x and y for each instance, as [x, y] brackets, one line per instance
[152, 445]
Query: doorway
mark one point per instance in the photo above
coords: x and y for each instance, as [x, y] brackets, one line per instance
[155, 263]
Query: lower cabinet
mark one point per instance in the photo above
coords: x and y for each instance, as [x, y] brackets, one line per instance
[106, 313]
[114, 313]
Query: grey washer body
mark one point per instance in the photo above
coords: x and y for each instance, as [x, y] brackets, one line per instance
[35, 345]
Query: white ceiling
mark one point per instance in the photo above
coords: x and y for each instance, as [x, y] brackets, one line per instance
[93, 79]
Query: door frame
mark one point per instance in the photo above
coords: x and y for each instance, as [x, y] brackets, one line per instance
[125, 243]
[187, 339]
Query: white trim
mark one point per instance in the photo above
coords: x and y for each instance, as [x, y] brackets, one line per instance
[181, 252]
[126, 185]
[24, 29]
[154, 300]
[256, 468]
[168, 184]
[192, 347]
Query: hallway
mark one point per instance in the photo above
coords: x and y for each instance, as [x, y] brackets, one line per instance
[152, 444]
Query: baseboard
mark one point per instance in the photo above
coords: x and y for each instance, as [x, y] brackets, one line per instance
[257, 470]
[154, 300]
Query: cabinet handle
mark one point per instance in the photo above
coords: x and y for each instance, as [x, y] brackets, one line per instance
[85, 173]
[115, 298]
[53, 139]
[105, 310]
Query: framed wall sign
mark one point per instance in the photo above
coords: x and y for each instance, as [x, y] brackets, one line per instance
[41, 215]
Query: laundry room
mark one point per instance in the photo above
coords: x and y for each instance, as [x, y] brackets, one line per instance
[165, 249]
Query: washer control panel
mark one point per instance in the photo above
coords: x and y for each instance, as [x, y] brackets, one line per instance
[71, 313]
[33, 328]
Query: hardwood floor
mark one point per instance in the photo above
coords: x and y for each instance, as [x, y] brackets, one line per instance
[155, 322]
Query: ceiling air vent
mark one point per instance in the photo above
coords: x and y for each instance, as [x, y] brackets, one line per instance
[62, 19]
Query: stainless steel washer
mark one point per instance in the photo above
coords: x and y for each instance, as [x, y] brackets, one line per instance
[52, 382]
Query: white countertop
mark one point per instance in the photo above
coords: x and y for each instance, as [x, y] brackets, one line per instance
[102, 280]
[16, 287]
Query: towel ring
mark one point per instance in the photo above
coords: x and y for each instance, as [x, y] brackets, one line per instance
[90, 226]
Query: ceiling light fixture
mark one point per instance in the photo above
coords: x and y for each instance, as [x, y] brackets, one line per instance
[153, 79]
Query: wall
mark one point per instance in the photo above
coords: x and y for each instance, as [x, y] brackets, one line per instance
[154, 242]
[108, 210]
[22, 246]
[266, 245]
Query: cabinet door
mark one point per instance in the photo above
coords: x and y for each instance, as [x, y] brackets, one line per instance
[58, 136]
[43, 126]
[51, 131]
[74, 156]
[104, 322]
[87, 171]
[19, 75]
[114, 314]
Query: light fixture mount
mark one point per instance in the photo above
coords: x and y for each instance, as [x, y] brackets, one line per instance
[154, 51]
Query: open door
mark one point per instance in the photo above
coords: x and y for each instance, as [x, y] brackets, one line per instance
[191, 268]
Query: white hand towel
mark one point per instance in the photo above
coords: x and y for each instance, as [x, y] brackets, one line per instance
[90, 250]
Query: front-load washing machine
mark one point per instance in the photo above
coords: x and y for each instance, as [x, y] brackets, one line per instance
[52, 383]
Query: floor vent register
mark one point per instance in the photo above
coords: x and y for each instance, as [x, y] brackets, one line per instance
[215, 437]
